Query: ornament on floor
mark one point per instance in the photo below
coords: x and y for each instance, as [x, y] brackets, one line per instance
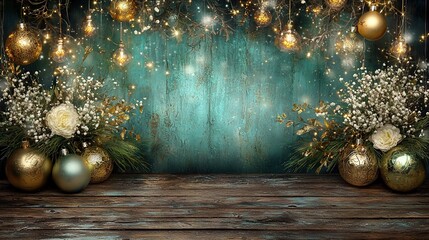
[27, 169]
[70, 173]
[99, 161]
[121, 56]
[58, 52]
[123, 10]
[262, 17]
[359, 167]
[350, 43]
[336, 5]
[402, 170]
[372, 25]
[23, 46]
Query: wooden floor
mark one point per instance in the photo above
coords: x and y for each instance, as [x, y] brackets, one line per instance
[216, 207]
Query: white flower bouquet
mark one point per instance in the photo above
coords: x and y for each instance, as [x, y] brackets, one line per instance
[385, 108]
[72, 112]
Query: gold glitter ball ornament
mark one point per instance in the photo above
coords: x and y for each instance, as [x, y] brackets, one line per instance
[359, 167]
[336, 4]
[99, 162]
[262, 18]
[401, 170]
[70, 173]
[288, 40]
[24, 45]
[28, 169]
[372, 25]
[123, 10]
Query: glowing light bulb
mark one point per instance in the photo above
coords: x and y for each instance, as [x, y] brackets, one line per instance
[400, 48]
[288, 40]
[350, 43]
[59, 53]
[121, 57]
[88, 27]
[262, 17]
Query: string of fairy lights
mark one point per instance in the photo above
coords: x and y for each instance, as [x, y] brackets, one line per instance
[350, 23]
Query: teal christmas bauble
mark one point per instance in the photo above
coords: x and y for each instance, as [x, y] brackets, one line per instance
[70, 173]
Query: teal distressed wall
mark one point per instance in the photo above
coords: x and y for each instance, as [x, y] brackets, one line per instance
[215, 111]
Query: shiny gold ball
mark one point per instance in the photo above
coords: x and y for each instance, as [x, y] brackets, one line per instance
[99, 162]
[27, 169]
[123, 10]
[336, 4]
[262, 18]
[23, 46]
[359, 167]
[71, 174]
[288, 40]
[372, 25]
[401, 170]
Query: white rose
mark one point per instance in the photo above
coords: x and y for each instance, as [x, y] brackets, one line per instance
[386, 137]
[63, 120]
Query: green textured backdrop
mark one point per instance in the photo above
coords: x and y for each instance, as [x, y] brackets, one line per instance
[216, 110]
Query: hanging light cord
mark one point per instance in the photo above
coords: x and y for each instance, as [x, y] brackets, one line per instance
[403, 17]
[120, 32]
[89, 5]
[290, 10]
[59, 15]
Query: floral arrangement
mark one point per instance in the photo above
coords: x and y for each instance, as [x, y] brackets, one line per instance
[74, 111]
[384, 108]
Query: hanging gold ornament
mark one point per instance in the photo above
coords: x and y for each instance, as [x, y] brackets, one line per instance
[88, 27]
[100, 163]
[400, 48]
[59, 53]
[23, 46]
[401, 170]
[123, 10]
[121, 57]
[336, 5]
[27, 169]
[349, 44]
[359, 167]
[288, 40]
[372, 25]
[70, 173]
[262, 17]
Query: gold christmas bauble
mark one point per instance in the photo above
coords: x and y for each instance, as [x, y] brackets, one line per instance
[99, 162]
[401, 170]
[372, 25]
[27, 169]
[336, 4]
[359, 167]
[23, 46]
[70, 173]
[123, 10]
[288, 40]
[262, 18]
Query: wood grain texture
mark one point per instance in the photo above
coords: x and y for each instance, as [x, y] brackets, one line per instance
[216, 207]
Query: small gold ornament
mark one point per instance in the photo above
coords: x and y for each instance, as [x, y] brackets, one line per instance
[100, 163]
[400, 48]
[88, 27]
[123, 10]
[336, 5]
[59, 53]
[401, 170]
[288, 40]
[27, 169]
[121, 57]
[359, 167]
[70, 173]
[349, 44]
[23, 46]
[262, 17]
[372, 25]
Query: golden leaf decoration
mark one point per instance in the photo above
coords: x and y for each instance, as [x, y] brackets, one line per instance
[289, 123]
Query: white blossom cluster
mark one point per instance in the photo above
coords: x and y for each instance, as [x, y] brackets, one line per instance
[387, 96]
[26, 102]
